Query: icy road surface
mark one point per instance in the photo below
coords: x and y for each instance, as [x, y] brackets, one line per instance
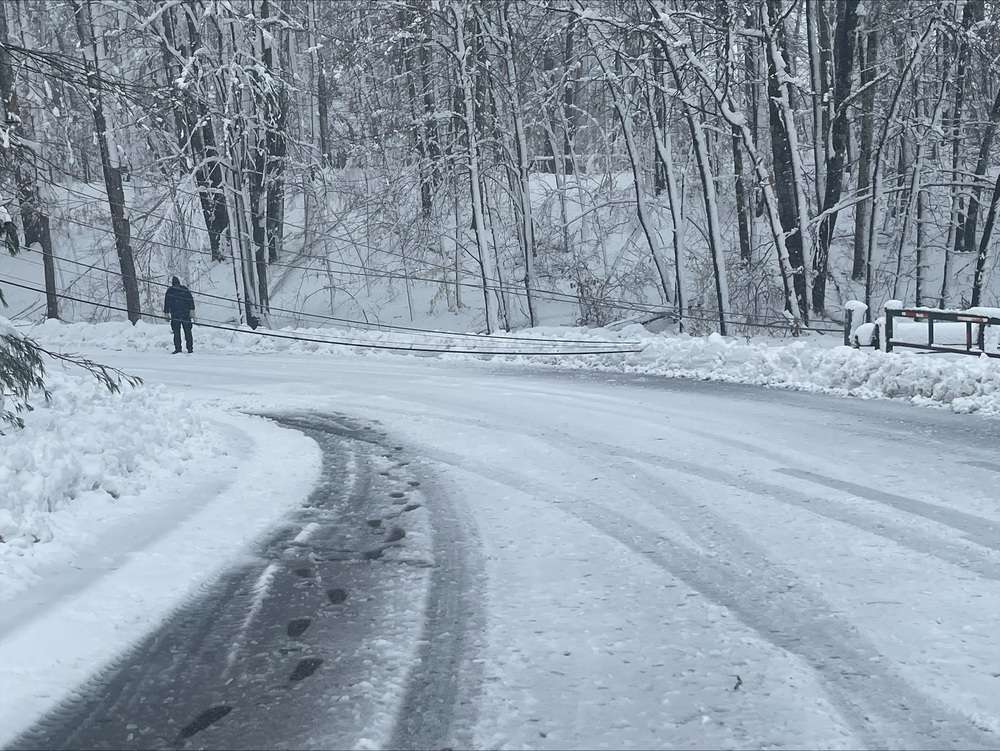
[599, 562]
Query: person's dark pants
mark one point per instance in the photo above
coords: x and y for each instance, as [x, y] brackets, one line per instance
[176, 326]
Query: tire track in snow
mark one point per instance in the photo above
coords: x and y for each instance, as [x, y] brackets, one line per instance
[438, 709]
[918, 541]
[439, 703]
[972, 526]
[881, 706]
[913, 539]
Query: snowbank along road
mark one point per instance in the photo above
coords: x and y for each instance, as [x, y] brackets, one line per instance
[528, 559]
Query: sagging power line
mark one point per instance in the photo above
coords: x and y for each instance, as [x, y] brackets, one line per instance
[353, 322]
[346, 343]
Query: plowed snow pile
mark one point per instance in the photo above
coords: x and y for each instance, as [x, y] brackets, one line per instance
[85, 458]
[818, 364]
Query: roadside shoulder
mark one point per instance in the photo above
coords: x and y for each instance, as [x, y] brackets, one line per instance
[155, 561]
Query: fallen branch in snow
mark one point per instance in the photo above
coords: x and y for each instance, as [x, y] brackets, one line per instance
[22, 371]
[110, 377]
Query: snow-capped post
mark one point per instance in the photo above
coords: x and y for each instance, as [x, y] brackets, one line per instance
[891, 310]
[854, 316]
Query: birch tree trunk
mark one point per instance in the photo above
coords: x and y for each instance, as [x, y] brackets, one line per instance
[523, 166]
[466, 86]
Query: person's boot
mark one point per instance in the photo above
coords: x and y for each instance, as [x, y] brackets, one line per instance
[177, 351]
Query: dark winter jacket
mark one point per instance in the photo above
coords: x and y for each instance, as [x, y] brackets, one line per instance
[178, 303]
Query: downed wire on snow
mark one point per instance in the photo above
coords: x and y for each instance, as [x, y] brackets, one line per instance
[347, 343]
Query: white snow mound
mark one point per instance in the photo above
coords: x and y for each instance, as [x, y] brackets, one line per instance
[83, 458]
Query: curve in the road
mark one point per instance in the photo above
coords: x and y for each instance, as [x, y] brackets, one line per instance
[317, 640]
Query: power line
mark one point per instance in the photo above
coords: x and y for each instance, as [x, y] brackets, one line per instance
[762, 322]
[321, 316]
[551, 295]
[365, 271]
[343, 343]
[492, 283]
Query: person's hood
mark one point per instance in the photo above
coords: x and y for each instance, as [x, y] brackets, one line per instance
[175, 282]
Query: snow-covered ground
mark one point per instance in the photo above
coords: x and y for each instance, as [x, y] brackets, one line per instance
[666, 563]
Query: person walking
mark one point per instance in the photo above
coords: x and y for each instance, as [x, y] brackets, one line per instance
[178, 303]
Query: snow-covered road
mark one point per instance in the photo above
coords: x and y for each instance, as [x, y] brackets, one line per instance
[671, 563]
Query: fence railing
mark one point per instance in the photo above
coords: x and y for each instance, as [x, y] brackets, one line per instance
[939, 335]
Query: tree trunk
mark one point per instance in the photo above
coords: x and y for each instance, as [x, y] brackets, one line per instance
[665, 158]
[110, 158]
[431, 142]
[526, 229]
[417, 125]
[869, 60]
[982, 164]
[211, 180]
[787, 177]
[814, 27]
[764, 180]
[34, 220]
[469, 112]
[709, 195]
[843, 56]
[984, 246]
[322, 94]
[195, 132]
[613, 84]
[875, 215]
[657, 105]
[277, 152]
[569, 99]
